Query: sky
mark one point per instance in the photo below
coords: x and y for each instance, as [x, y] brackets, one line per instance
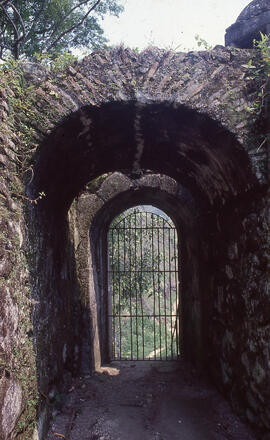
[172, 24]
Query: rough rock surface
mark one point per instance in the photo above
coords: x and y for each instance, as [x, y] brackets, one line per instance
[255, 18]
[11, 405]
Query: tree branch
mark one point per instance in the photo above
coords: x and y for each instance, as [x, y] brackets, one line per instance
[21, 23]
[35, 19]
[18, 37]
[56, 26]
[10, 19]
[71, 28]
[84, 2]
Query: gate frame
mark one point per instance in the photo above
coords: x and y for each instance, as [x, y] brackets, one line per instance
[178, 271]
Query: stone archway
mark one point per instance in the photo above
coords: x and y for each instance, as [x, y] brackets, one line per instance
[198, 154]
[179, 115]
[116, 193]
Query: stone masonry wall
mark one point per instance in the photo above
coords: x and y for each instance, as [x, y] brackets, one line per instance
[240, 308]
[18, 380]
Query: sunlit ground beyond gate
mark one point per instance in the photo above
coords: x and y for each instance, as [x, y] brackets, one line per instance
[143, 287]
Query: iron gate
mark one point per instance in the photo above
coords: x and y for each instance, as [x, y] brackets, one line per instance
[143, 286]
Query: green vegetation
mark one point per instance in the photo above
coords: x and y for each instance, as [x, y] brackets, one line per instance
[21, 98]
[202, 43]
[20, 102]
[263, 46]
[52, 26]
[259, 72]
[144, 286]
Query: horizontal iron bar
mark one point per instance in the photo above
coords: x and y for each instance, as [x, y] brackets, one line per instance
[152, 359]
[144, 316]
[139, 228]
[142, 271]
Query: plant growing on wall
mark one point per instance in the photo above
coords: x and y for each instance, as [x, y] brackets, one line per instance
[52, 26]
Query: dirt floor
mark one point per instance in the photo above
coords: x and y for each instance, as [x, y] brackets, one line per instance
[145, 401]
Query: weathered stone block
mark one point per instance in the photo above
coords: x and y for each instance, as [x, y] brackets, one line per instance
[11, 406]
[113, 186]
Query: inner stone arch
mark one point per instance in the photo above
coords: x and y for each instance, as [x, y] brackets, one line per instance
[152, 189]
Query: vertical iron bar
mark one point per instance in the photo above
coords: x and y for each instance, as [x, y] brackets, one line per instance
[130, 288]
[176, 294]
[115, 291]
[141, 277]
[159, 309]
[119, 291]
[124, 259]
[164, 288]
[154, 290]
[112, 292]
[170, 286]
[136, 292]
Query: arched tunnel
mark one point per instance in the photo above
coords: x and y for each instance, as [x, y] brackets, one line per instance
[164, 154]
[166, 138]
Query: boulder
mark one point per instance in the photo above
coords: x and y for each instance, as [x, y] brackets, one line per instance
[255, 18]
